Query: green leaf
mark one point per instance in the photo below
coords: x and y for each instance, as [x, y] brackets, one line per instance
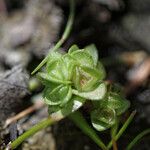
[73, 48]
[120, 104]
[92, 50]
[57, 95]
[54, 70]
[85, 79]
[91, 77]
[122, 129]
[101, 69]
[138, 138]
[76, 78]
[53, 56]
[96, 94]
[74, 104]
[53, 109]
[103, 118]
[46, 79]
[68, 66]
[61, 69]
[80, 121]
[82, 58]
[116, 88]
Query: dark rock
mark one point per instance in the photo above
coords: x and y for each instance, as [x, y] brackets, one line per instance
[120, 36]
[47, 19]
[139, 6]
[13, 131]
[112, 4]
[138, 27]
[13, 87]
[12, 57]
[33, 28]
[144, 97]
[66, 3]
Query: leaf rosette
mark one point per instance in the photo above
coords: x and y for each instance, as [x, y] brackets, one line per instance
[76, 73]
[74, 77]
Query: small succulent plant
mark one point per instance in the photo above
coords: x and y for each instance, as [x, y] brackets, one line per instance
[72, 78]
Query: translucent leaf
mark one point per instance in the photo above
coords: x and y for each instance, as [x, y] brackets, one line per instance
[90, 78]
[54, 70]
[76, 78]
[61, 69]
[116, 88]
[85, 78]
[101, 69]
[118, 103]
[74, 104]
[82, 58]
[103, 118]
[97, 94]
[68, 66]
[73, 48]
[59, 95]
[92, 50]
[46, 79]
[53, 56]
[65, 94]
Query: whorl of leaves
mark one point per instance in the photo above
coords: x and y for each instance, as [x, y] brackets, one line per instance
[74, 77]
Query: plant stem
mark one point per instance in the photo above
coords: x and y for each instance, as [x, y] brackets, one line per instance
[41, 125]
[114, 130]
[137, 138]
[79, 120]
[64, 36]
[121, 131]
[115, 147]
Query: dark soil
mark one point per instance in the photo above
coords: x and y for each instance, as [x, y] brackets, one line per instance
[28, 29]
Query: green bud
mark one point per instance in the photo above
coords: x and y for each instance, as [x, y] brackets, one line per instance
[103, 118]
[119, 103]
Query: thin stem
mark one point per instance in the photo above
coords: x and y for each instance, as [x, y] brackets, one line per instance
[137, 138]
[115, 147]
[79, 120]
[37, 105]
[114, 131]
[64, 36]
[114, 128]
[55, 117]
[41, 125]
[122, 130]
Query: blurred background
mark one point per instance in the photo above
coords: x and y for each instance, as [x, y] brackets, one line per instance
[120, 29]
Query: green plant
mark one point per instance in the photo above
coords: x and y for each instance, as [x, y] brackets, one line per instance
[71, 79]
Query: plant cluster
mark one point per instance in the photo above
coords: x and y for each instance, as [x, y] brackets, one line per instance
[72, 78]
